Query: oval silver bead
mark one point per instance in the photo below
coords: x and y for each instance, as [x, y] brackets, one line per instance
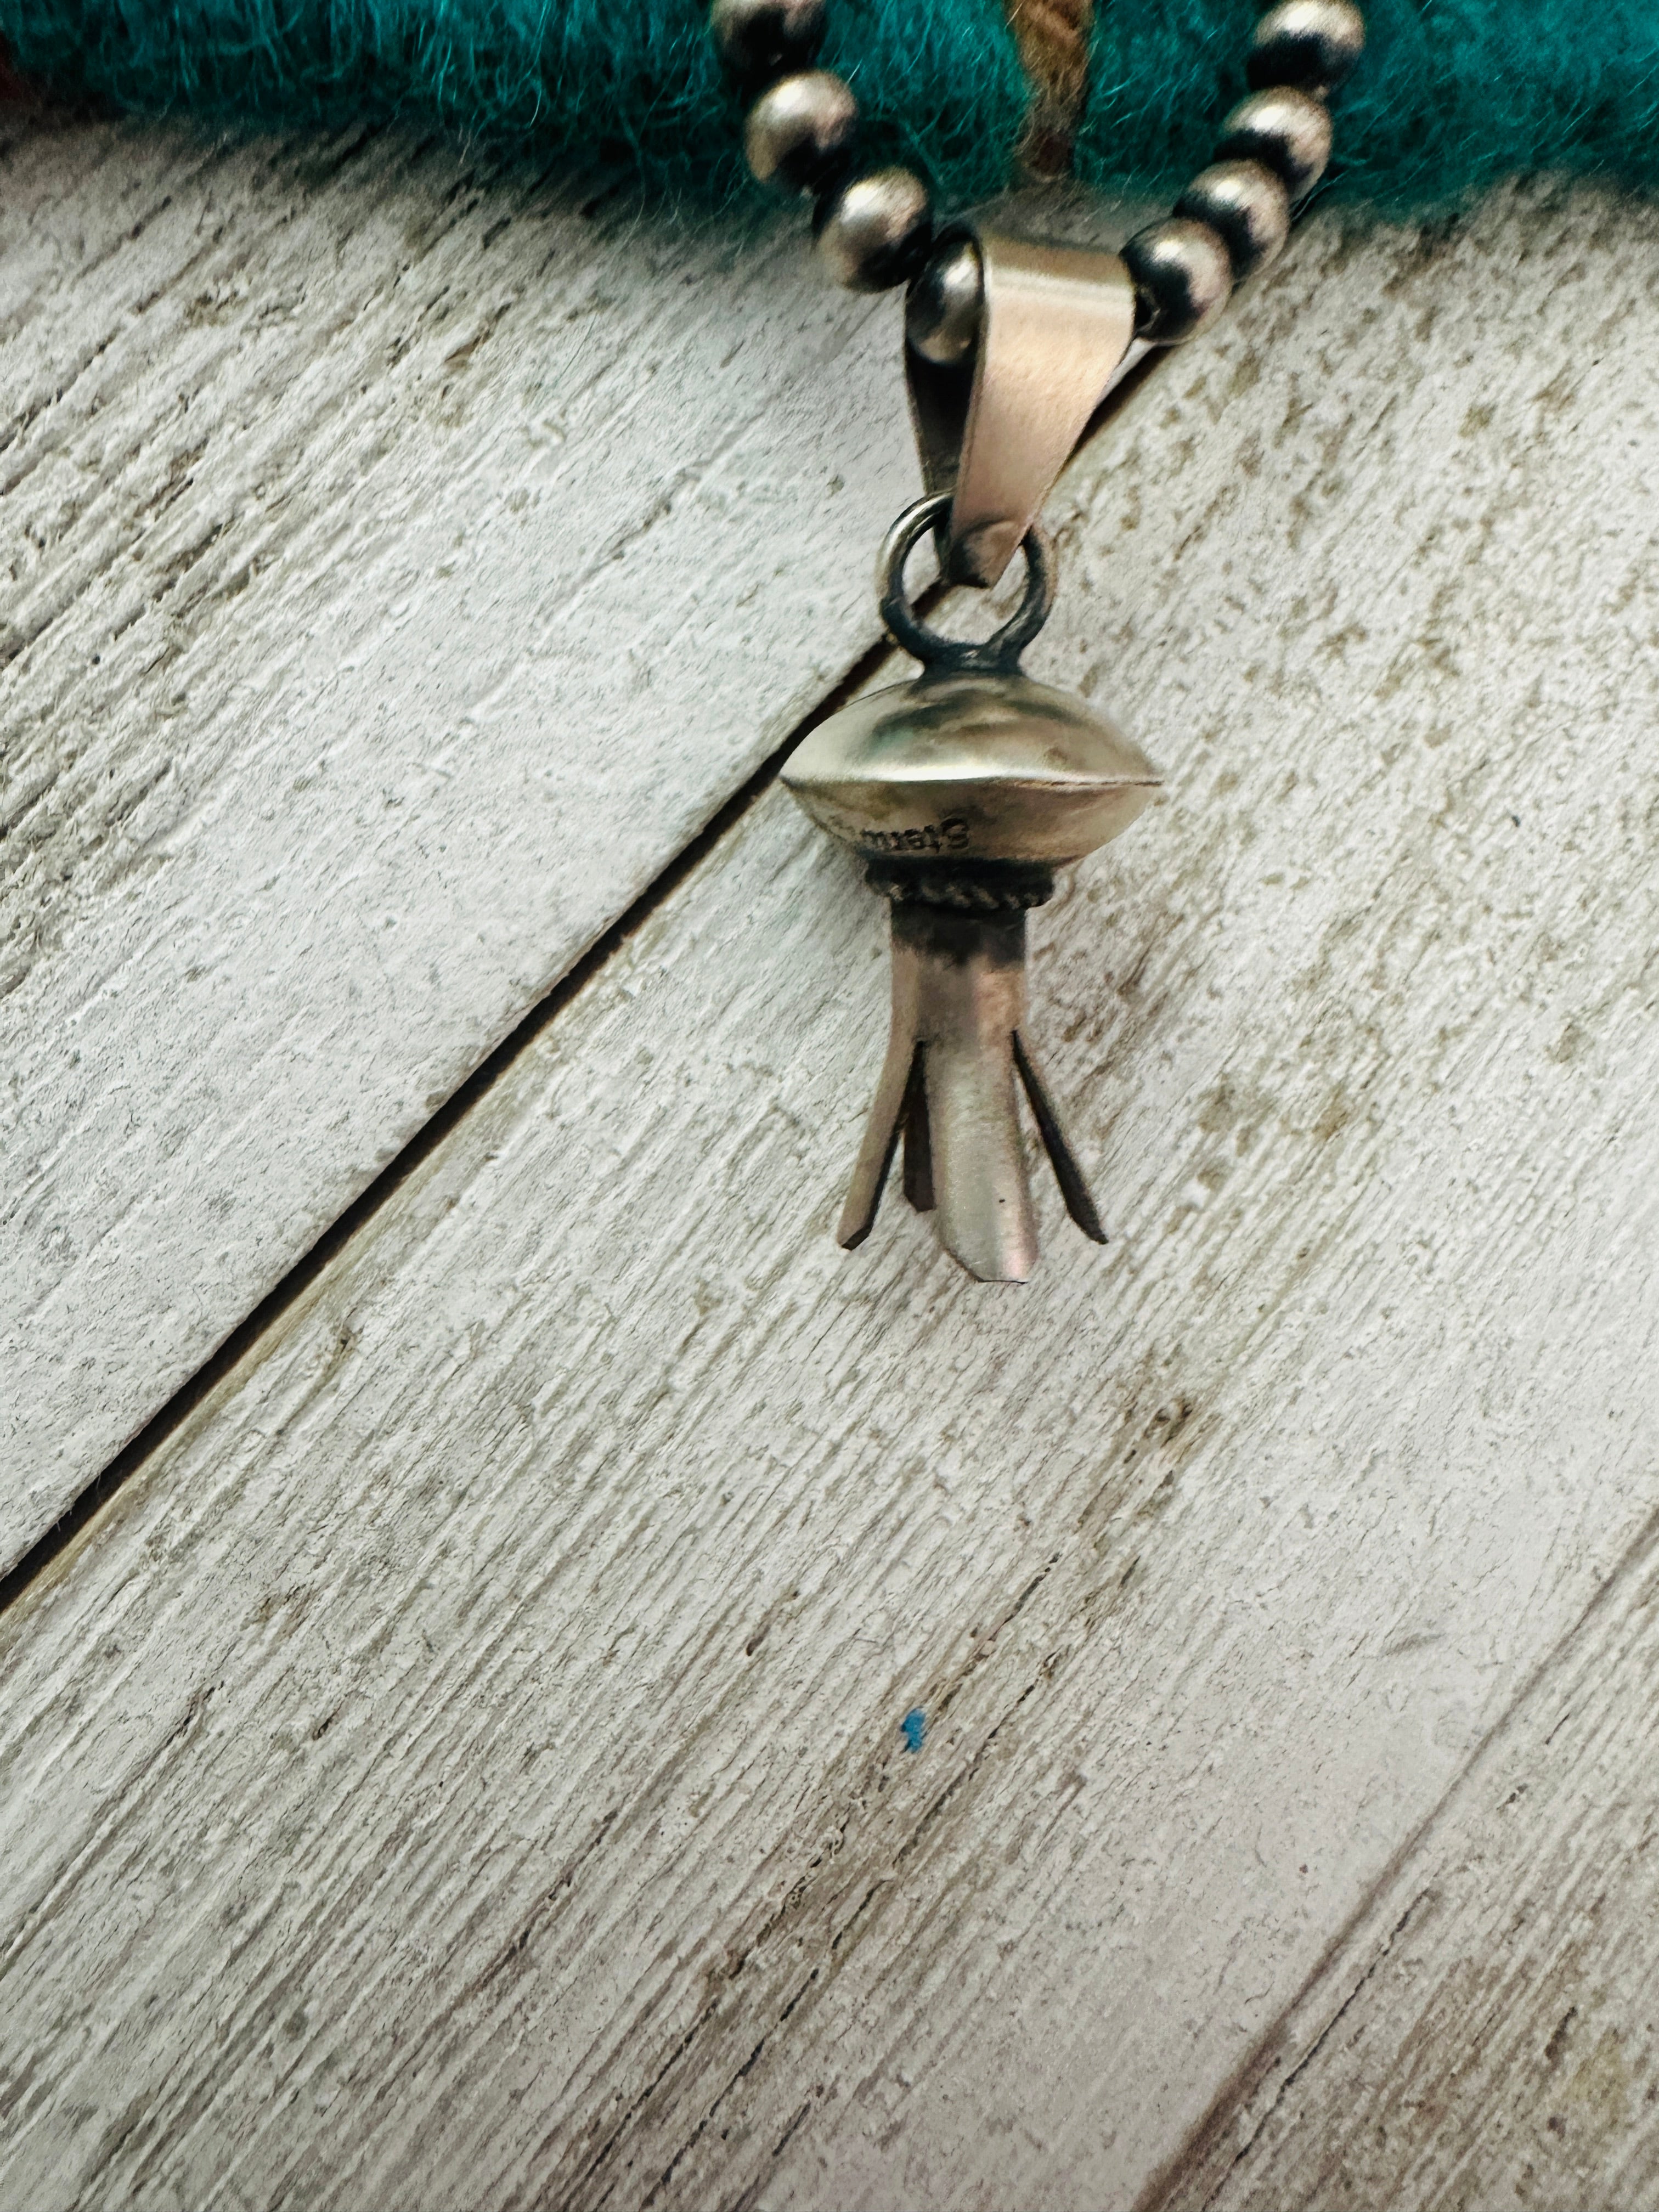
[1287, 130]
[874, 230]
[760, 40]
[1311, 43]
[942, 314]
[802, 131]
[1183, 276]
[1249, 209]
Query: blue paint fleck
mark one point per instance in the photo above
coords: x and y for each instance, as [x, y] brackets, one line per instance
[914, 1729]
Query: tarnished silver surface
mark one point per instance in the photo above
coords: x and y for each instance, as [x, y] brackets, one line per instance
[1054, 325]
[1311, 43]
[759, 40]
[1283, 128]
[948, 1087]
[942, 314]
[977, 767]
[800, 129]
[875, 230]
[1246, 205]
[1183, 275]
[947, 1092]
[964, 790]
[998, 654]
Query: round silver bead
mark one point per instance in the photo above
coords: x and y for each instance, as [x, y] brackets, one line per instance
[1183, 275]
[802, 131]
[1286, 131]
[1311, 43]
[874, 231]
[1248, 208]
[760, 40]
[941, 316]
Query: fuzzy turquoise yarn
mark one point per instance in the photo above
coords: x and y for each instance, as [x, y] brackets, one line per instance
[634, 81]
[1452, 94]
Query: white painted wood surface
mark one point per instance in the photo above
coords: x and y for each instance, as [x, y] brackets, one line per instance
[397, 567]
[1499, 2045]
[464, 1766]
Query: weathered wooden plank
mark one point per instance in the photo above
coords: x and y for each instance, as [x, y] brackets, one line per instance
[465, 1764]
[1486, 2034]
[400, 566]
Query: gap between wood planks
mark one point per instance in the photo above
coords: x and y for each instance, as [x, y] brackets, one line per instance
[270, 1308]
[1194, 2178]
[1333, 1974]
[1215, 2148]
[276, 1302]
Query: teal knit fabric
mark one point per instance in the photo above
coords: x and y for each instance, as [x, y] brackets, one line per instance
[633, 80]
[1452, 93]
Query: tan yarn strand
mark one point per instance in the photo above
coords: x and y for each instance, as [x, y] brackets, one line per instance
[1052, 38]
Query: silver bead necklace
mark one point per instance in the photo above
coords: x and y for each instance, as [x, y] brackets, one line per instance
[965, 789]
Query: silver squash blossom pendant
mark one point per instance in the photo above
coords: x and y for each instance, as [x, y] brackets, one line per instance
[966, 788]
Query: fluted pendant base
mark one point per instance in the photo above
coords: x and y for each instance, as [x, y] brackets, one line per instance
[947, 1088]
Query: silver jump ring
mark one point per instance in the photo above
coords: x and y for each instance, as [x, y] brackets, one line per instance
[953, 656]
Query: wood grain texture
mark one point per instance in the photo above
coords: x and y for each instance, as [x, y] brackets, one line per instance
[1498, 2044]
[465, 1766]
[399, 566]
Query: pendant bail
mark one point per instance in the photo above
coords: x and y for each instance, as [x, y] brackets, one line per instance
[1055, 323]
